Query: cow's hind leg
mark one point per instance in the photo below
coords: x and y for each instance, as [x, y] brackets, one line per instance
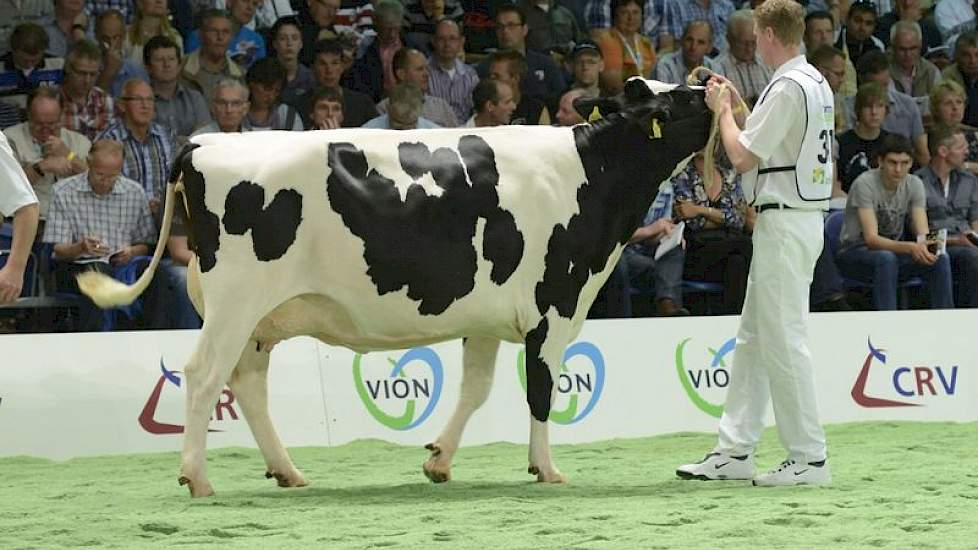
[249, 382]
[479, 362]
[544, 353]
[219, 348]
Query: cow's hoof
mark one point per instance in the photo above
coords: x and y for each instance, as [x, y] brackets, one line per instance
[295, 479]
[434, 468]
[544, 477]
[198, 489]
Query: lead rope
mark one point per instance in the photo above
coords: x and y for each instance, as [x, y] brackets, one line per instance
[709, 152]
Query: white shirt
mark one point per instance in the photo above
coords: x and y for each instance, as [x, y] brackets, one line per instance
[15, 190]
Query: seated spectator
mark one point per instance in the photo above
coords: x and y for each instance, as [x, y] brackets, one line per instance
[551, 27]
[116, 67]
[567, 115]
[509, 66]
[168, 304]
[373, 72]
[404, 112]
[909, 11]
[587, 64]
[87, 109]
[877, 210]
[718, 247]
[947, 108]
[410, 65]
[148, 146]
[25, 67]
[543, 80]
[856, 38]
[178, 107]
[98, 220]
[680, 13]
[448, 77]
[964, 71]
[952, 204]
[14, 14]
[151, 20]
[358, 108]
[902, 115]
[265, 80]
[229, 107]
[47, 151]
[598, 16]
[740, 63]
[66, 27]
[316, 22]
[697, 41]
[209, 64]
[245, 45]
[858, 147]
[423, 17]
[625, 51]
[9, 115]
[494, 104]
[909, 71]
[830, 61]
[820, 31]
[663, 275]
[327, 110]
[287, 43]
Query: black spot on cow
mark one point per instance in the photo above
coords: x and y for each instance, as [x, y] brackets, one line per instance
[273, 228]
[204, 226]
[425, 242]
[539, 383]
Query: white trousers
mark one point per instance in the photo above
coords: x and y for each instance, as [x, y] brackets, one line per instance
[772, 361]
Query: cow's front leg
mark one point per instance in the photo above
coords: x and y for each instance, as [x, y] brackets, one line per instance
[544, 352]
[249, 382]
[218, 350]
[479, 361]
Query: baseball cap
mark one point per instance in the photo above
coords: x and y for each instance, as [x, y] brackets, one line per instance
[585, 47]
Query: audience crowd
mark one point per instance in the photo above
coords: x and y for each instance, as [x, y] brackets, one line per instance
[96, 96]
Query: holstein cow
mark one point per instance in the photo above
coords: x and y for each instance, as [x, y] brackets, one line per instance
[393, 239]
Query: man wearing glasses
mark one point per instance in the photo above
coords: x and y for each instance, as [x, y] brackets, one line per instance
[148, 145]
[44, 148]
[88, 109]
[229, 105]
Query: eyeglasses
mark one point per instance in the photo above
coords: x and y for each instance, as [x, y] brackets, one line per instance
[136, 99]
[228, 103]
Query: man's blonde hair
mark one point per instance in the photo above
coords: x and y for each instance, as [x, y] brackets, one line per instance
[785, 17]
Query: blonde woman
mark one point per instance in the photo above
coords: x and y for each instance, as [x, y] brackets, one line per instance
[947, 103]
[151, 20]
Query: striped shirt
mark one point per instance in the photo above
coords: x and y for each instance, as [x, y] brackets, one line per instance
[681, 12]
[91, 117]
[455, 89]
[597, 15]
[750, 79]
[120, 218]
[147, 162]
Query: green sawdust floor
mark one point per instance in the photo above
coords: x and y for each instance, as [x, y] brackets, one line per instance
[896, 485]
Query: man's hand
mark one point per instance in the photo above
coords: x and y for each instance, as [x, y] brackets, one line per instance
[154, 205]
[59, 166]
[90, 246]
[959, 240]
[11, 282]
[122, 257]
[54, 147]
[921, 255]
[662, 226]
[329, 124]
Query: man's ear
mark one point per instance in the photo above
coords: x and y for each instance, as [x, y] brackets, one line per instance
[595, 108]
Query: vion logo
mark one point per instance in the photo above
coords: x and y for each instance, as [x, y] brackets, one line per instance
[579, 385]
[404, 397]
[704, 377]
[224, 410]
[907, 381]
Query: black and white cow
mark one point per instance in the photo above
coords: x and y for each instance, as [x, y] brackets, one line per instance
[393, 239]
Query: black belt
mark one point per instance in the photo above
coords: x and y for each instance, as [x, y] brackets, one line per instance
[773, 206]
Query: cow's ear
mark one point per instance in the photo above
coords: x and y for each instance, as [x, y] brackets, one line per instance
[637, 91]
[595, 108]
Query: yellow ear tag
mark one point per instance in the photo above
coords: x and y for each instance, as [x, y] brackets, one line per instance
[655, 130]
[595, 115]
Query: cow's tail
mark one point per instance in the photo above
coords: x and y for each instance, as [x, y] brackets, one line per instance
[107, 292]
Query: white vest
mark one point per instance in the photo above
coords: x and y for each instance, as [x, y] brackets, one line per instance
[810, 177]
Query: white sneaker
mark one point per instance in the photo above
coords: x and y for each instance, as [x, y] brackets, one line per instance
[795, 473]
[717, 466]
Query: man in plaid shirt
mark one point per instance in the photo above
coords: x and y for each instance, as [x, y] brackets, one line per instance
[679, 13]
[98, 219]
[88, 109]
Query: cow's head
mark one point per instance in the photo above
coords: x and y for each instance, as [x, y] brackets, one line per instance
[679, 112]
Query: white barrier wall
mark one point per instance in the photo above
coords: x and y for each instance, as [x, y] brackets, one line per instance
[86, 394]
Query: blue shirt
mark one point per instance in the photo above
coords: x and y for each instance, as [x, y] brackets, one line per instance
[245, 48]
